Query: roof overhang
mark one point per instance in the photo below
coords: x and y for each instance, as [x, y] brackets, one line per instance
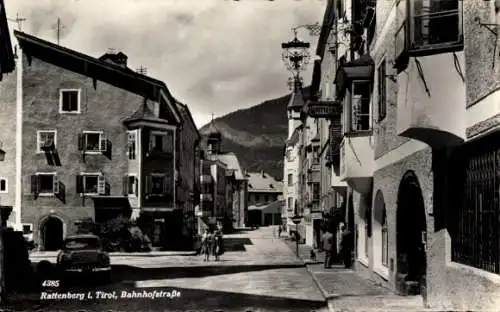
[155, 123]
[359, 69]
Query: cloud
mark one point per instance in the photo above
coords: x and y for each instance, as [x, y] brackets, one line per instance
[215, 55]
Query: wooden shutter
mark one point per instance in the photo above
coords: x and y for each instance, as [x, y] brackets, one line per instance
[101, 184]
[55, 186]
[148, 184]
[166, 186]
[136, 187]
[152, 142]
[103, 144]
[79, 184]
[35, 185]
[125, 185]
[131, 143]
[81, 142]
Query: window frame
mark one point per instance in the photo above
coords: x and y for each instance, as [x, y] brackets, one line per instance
[53, 193]
[84, 175]
[150, 187]
[164, 134]
[101, 137]
[135, 185]
[79, 93]
[406, 28]
[382, 101]
[38, 137]
[290, 179]
[133, 155]
[350, 128]
[6, 185]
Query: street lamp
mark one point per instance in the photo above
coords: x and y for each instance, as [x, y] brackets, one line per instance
[296, 219]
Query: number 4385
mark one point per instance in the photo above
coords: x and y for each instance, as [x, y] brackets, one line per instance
[50, 283]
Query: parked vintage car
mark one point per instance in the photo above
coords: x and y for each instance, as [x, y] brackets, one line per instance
[84, 254]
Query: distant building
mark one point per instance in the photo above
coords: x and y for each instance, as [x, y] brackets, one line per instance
[263, 188]
[231, 211]
[267, 214]
[91, 138]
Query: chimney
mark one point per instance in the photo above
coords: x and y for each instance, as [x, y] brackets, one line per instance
[116, 58]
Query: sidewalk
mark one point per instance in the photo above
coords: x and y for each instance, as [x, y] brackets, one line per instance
[345, 291]
[45, 254]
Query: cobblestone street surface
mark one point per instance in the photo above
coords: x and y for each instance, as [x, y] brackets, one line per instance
[259, 272]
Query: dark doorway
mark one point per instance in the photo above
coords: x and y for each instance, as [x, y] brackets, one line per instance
[52, 234]
[411, 232]
[268, 219]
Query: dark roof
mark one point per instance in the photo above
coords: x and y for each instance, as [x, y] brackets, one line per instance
[114, 74]
[144, 113]
[7, 63]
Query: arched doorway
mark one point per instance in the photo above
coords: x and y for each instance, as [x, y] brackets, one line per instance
[380, 233]
[411, 235]
[51, 233]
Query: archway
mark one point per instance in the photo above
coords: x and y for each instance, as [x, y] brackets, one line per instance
[52, 233]
[411, 235]
[380, 233]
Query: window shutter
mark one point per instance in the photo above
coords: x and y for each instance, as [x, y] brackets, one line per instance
[131, 145]
[103, 144]
[125, 185]
[79, 184]
[81, 145]
[55, 187]
[35, 189]
[165, 185]
[148, 184]
[136, 187]
[152, 142]
[101, 184]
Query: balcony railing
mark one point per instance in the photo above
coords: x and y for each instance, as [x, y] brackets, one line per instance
[206, 197]
[206, 178]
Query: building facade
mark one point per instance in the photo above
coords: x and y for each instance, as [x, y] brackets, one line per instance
[223, 187]
[292, 160]
[90, 138]
[187, 162]
[417, 149]
[263, 188]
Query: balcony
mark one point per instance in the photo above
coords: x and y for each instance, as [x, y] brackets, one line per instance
[313, 176]
[206, 197]
[431, 100]
[357, 162]
[323, 109]
[206, 178]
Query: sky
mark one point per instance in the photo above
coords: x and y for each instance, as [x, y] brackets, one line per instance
[216, 56]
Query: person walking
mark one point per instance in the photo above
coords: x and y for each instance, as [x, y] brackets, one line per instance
[279, 231]
[346, 246]
[217, 248]
[327, 247]
[207, 244]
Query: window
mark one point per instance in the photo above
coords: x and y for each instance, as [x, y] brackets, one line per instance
[266, 198]
[130, 185]
[131, 144]
[360, 118]
[46, 140]
[161, 141]
[27, 228]
[290, 179]
[431, 27]
[315, 191]
[385, 241]
[69, 101]
[159, 184]
[381, 90]
[44, 184]
[93, 142]
[257, 198]
[3, 185]
[290, 203]
[91, 184]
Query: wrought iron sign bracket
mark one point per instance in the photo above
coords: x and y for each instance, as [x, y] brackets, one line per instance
[488, 26]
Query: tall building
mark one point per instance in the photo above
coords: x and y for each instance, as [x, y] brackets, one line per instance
[89, 138]
[416, 81]
[223, 185]
[291, 168]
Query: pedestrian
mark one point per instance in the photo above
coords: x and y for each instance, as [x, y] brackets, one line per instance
[217, 248]
[346, 246]
[279, 231]
[206, 244]
[327, 247]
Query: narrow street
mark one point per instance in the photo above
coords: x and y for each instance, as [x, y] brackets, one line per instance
[257, 273]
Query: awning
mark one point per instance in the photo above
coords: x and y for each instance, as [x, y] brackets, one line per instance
[359, 69]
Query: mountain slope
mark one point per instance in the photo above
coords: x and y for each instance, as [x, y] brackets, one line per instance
[257, 135]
